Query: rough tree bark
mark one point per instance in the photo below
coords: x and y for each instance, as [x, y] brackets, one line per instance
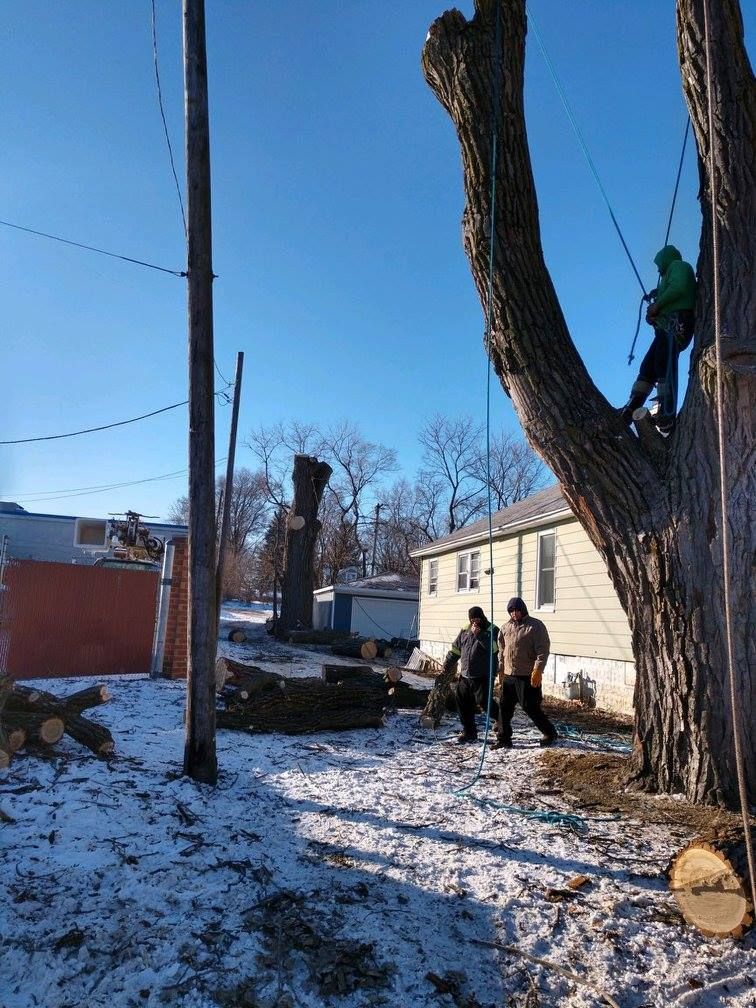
[310, 478]
[650, 507]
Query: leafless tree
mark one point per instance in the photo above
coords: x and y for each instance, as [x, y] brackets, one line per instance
[451, 458]
[515, 470]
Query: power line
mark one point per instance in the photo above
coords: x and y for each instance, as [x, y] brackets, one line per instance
[92, 248]
[92, 430]
[162, 112]
[50, 495]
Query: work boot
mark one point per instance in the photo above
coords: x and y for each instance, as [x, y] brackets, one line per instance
[501, 744]
[638, 395]
[464, 737]
[547, 740]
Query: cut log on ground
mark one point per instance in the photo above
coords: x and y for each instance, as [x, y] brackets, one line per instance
[39, 716]
[384, 648]
[44, 729]
[26, 698]
[88, 733]
[6, 685]
[362, 648]
[711, 884]
[439, 698]
[299, 706]
[394, 692]
[249, 678]
[237, 636]
[318, 636]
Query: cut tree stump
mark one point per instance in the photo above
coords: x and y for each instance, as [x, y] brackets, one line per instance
[710, 881]
[362, 648]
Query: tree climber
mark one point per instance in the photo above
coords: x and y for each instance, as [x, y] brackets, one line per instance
[671, 315]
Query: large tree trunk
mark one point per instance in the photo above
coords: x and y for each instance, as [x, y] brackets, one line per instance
[650, 507]
[310, 478]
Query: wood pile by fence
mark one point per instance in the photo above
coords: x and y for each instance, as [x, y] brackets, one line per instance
[36, 718]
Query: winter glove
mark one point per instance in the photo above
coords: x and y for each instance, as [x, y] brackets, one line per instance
[536, 676]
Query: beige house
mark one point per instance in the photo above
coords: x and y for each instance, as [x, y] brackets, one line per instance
[542, 554]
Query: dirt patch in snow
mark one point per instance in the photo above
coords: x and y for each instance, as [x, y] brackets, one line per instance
[596, 781]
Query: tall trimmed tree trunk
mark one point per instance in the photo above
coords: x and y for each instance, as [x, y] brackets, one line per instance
[651, 507]
[310, 478]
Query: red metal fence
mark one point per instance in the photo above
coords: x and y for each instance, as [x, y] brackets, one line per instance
[68, 620]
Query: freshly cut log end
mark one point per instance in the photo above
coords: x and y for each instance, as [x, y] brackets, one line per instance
[365, 648]
[16, 739]
[237, 636]
[394, 674]
[709, 880]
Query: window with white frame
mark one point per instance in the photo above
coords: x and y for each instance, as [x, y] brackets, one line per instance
[545, 572]
[433, 577]
[468, 571]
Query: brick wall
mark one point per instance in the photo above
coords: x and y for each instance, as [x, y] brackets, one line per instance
[175, 659]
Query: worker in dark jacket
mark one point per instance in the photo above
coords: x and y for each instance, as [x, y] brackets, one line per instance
[523, 652]
[475, 649]
[671, 315]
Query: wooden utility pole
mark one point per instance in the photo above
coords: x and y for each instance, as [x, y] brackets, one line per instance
[199, 751]
[228, 490]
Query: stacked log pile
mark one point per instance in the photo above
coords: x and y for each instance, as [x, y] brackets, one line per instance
[260, 701]
[36, 717]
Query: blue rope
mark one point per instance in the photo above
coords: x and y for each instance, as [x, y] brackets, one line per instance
[581, 141]
[496, 72]
[575, 822]
[606, 741]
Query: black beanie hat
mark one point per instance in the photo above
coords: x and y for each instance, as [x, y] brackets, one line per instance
[476, 613]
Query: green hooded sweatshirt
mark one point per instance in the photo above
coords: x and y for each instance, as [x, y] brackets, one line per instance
[677, 287]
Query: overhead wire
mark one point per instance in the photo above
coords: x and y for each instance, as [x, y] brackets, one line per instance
[93, 248]
[41, 496]
[725, 528]
[162, 112]
[110, 426]
[581, 140]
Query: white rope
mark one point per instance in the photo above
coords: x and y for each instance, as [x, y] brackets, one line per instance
[736, 725]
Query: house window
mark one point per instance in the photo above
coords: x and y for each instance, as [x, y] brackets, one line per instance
[468, 571]
[433, 577]
[545, 573]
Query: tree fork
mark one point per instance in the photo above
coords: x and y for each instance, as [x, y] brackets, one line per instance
[652, 515]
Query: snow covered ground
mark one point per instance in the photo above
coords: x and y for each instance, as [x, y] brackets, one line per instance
[333, 869]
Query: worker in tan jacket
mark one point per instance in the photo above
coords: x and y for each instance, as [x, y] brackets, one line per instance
[523, 652]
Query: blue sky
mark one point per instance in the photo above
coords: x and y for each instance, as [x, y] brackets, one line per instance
[337, 199]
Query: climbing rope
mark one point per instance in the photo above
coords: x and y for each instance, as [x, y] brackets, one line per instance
[736, 725]
[581, 141]
[496, 73]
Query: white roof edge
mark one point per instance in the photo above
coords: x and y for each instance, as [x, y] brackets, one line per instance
[449, 547]
[343, 589]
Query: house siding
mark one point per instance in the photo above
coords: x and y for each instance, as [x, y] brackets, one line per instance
[588, 629]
